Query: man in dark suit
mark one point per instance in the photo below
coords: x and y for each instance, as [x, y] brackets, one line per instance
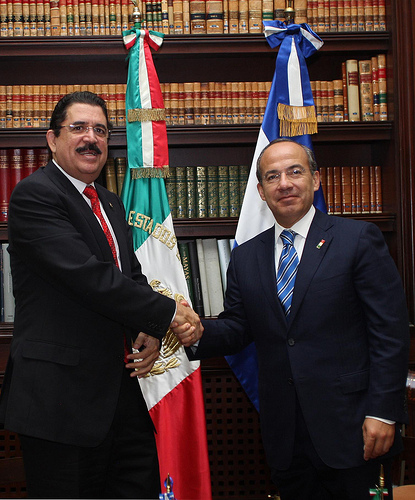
[332, 367]
[81, 299]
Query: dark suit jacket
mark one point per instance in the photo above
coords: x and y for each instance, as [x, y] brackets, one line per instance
[344, 350]
[73, 307]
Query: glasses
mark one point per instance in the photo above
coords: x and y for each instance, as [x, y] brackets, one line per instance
[292, 174]
[79, 129]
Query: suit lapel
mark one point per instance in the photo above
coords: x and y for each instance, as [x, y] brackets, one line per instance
[268, 280]
[316, 245]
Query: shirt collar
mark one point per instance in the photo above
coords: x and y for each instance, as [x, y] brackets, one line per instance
[301, 227]
[80, 185]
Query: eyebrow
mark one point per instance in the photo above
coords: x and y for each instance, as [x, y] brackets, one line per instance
[81, 122]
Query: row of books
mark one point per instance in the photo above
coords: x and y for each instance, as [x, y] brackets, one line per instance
[112, 17]
[15, 165]
[6, 286]
[205, 262]
[193, 191]
[352, 190]
[206, 191]
[361, 94]
[32, 105]
[190, 103]
[204, 103]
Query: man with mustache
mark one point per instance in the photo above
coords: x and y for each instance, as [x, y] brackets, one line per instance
[332, 349]
[81, 299]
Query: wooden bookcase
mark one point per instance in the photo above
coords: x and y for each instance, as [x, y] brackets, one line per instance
[237, 461]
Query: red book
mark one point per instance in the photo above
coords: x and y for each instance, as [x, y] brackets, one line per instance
[16, 167]
[4, 185]
[29, 161]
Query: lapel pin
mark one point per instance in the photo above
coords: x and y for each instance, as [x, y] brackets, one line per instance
[320, 244]
[110, 204]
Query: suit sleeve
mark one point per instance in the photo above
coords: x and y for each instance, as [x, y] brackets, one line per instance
[50, 235]
[379, 287]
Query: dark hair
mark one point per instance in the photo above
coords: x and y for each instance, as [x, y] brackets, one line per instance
[59, 113]
[310, 155]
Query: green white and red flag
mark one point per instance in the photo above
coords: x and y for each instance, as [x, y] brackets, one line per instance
[173, 390]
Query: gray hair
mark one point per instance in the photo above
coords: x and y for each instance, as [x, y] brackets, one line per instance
[310, 155]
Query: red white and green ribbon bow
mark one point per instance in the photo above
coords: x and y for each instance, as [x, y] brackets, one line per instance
[145, 113]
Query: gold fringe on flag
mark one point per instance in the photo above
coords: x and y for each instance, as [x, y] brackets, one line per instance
[146, 115]
[296, 120]
[150, 172]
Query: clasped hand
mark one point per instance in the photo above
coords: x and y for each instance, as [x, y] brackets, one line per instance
[186, 325]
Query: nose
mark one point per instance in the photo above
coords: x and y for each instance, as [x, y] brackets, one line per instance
[89, 132]
[284, 181]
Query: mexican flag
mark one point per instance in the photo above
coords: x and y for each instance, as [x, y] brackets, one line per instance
[173, 389]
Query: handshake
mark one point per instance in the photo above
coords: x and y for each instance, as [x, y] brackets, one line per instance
[186, 325]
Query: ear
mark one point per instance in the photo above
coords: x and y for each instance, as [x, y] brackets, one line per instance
[260, 191]
[51, 139]
[316, 180]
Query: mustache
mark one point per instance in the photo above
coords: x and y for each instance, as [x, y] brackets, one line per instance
[89, 147]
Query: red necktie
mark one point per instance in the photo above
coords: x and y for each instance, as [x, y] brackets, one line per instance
[91, 193]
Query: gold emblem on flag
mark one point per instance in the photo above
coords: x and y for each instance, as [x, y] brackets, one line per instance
[170, 345]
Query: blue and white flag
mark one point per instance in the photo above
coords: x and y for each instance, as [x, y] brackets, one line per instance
[290, 112]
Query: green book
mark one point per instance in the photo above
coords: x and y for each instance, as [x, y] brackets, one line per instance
[201, 193]
[223, 191]
[212, 191]
[191, 192]
[234, 205]
[170, 182]
[181, 193]
[185, 258]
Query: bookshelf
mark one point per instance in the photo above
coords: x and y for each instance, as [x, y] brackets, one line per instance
[101, 59]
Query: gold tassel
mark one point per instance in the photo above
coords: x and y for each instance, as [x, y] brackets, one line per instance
[296, 120]
[146, 115]
[149, 172]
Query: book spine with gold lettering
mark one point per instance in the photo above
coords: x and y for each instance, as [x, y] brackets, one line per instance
[375, 88]
[16, 167]
[337, 191]
[120, 89]
[329, 190]
[223, 190]
[340, 16]
[255, 16]
[29, 161]
[233, 8]
[382, 15]
[365, 188]
[120, 164]
[110, 178]
[234, 201]
[377, 172]
[338, 100]
[3, 106]
[352, 78]
[4, 185]
[300, 7]
[368, 9]
[198, 16]
[201, 192]
[170, 182]
[243, 181]
[3, 19]
[184, 257]
[279, 7]
[181, 192]
[243, 16]
[334, 25]
[346, 190]
[366, 90]
[191, 191]
[178, 17]
[212, 187]
[383, 92]
[214, 16]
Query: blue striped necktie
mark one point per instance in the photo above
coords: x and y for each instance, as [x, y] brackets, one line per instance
[287, 270]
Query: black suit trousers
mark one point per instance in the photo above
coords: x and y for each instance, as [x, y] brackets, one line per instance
[124, 465]
[308, 478]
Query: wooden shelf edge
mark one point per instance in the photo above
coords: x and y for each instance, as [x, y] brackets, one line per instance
[183, 135]
[97, 47]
